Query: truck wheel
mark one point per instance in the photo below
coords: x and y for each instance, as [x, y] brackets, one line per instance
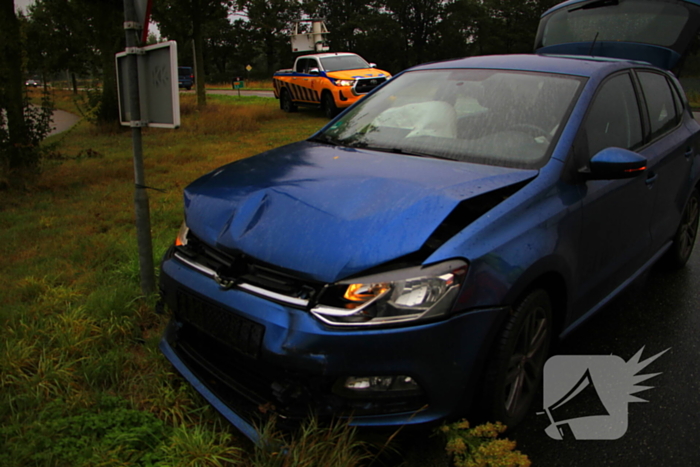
[286, 103]
[328, 105]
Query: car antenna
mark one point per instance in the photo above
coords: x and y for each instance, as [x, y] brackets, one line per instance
[590, 51]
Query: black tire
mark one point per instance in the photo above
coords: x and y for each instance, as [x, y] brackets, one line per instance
[286, 102]
[328, 106]
[686, 235]
[188, 87]
[514, 372]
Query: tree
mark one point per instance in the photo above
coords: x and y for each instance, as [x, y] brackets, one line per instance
[24, 127]
[509, 26]
[269, 24]
[104, 30]
[360, 26]
[227, 49]
[78, 35]
[185, 20]
[419, 20]
[56, 45]
[458, 30]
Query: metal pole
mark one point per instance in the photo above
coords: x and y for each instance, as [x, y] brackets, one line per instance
[142, 213]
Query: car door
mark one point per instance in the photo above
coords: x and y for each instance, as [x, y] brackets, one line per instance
[615, 234]
[306, 82]
[669, 153]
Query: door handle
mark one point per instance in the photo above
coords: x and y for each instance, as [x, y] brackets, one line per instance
[689, 152]
[651, 178]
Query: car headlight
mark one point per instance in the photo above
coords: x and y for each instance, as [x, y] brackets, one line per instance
[404, 295]
[344, 82]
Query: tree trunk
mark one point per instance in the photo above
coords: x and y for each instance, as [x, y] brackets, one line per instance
[17, 154]
[198, 38]
[109, 107]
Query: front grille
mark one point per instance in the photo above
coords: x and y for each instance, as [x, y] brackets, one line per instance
[365, 85]
[234, 331]
[250, 388]
[236, 268]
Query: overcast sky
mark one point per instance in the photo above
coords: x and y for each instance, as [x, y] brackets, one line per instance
[22, 4]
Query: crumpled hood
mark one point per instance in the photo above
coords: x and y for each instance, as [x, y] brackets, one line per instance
[329, 212]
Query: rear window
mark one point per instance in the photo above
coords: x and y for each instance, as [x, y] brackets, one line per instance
[184, 71]
[660, 103]
[648, 22]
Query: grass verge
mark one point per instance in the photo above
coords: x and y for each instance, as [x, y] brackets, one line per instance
[81, 379]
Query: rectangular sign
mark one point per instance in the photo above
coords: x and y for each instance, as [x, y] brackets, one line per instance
[158, 86]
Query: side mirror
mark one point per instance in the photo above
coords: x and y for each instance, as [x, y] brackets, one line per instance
[314, 71]
[373, 65]
[616, 163]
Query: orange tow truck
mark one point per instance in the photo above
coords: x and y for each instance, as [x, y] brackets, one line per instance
[332, 81]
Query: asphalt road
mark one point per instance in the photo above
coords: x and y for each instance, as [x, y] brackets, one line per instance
[230, 92]
[62, 121]
[661, 312]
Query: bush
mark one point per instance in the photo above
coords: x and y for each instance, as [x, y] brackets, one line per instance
[19, 159]
[479, 446]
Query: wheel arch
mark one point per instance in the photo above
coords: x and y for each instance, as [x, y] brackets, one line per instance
[552, 276]
[554, 284]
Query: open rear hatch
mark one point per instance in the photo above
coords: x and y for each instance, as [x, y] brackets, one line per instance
[659, 32]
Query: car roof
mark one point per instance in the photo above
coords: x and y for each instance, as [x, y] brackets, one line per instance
[570, 65]
[329, 54]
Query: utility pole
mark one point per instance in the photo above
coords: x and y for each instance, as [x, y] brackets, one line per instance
[132, 29]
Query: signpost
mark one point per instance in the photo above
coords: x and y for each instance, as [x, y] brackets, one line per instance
[239, 84]
[146, 77]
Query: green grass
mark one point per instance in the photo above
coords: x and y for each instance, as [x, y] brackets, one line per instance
[76, 330]
[250, 85]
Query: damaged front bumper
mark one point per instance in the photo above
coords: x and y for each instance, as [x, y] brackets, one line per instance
[251, 357]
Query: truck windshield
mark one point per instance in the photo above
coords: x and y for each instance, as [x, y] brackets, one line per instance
[493, 117]
[343, 62]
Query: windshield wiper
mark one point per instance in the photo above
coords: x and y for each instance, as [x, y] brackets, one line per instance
[325, 139]
[395, 150]
[596, 4]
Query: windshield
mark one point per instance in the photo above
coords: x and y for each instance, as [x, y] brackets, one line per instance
[648, 22]
[343, 62]
[484, 116]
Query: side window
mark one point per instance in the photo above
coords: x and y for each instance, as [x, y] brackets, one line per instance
[313, 63]
[613, 119]
[680, 108]
[659, 99]
[302, 65]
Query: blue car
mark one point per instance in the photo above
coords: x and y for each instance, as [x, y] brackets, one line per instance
[415, 258]
[185, 77]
